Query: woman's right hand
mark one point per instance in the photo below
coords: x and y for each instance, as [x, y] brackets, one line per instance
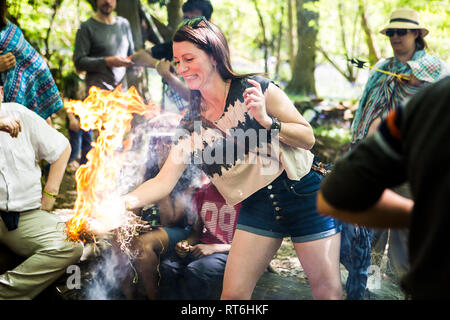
[7, 61]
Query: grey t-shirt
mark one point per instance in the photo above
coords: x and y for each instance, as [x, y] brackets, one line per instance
[95, 41]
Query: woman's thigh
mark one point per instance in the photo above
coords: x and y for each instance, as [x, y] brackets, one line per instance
[320, 261]
[248, 258]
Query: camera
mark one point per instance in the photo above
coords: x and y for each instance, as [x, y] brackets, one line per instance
[163, 50]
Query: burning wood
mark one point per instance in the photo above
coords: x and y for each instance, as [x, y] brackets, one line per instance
[98, 208]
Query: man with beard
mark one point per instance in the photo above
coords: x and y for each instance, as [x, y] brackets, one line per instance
[102, 46]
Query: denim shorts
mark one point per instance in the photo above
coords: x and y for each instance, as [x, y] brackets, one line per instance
[287, 208]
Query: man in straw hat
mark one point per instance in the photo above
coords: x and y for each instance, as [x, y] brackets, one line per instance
[382, 93]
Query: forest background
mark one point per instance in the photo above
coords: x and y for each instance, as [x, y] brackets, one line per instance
[301, 44]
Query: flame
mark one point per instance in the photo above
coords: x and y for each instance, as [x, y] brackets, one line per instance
[98, 207]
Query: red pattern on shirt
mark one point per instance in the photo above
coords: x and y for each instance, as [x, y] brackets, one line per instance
[219, 219]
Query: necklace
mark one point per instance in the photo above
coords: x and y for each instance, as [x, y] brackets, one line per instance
[205, 106]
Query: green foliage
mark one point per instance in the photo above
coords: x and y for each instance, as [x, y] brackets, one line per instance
[240, 23]
[434, 15]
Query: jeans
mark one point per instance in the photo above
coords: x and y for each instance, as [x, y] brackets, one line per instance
[193, 278]
[80, 141]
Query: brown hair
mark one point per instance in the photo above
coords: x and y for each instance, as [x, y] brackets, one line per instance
[207, 37]
[420, 41]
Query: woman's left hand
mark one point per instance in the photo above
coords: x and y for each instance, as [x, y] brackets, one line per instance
[255, 101]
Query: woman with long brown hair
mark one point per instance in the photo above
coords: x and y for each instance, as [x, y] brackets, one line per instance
[232, 131]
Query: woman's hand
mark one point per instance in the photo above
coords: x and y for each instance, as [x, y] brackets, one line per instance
[255, 101]
[11, 126]
[7, 61]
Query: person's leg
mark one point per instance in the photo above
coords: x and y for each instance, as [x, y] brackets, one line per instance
[172, 286]
[128, 275]
[75, 144]
[151, 246]
[204, 276]
[378, 244]
[86, 140]
[320, 261]
[398, 261]
[249, 257]
[40, 237]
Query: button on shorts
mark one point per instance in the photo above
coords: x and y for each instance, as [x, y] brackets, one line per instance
[287, 208]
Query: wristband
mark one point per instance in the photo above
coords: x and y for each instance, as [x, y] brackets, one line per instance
[54, 196]
[276, 124]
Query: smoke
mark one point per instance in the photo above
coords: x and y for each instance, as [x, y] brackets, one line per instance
[146, 143]
[106, 277]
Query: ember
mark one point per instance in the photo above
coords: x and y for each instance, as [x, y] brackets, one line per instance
[98, 208]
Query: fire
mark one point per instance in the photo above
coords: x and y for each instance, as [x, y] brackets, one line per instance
[98, 206]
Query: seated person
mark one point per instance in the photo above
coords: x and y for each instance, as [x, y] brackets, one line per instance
[27, 228]
[202, 257]
[170, 221]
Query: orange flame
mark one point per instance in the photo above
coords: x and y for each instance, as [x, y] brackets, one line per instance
[109, 112]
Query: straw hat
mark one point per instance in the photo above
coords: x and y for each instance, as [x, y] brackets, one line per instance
[405, 18]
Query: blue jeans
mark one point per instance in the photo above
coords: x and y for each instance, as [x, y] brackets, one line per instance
[193, 278]
[80, 142]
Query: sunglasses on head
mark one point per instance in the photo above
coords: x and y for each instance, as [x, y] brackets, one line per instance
[192, 22]
[401, 32]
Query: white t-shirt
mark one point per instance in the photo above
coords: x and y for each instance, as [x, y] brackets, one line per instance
[20, 174]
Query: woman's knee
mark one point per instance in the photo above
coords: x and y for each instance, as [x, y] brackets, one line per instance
[326, 288]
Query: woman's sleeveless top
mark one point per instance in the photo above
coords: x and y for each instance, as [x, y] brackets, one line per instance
[235, 151]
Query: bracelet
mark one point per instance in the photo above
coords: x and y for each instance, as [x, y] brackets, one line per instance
[157, 63]
[276, 124]
[54, 196]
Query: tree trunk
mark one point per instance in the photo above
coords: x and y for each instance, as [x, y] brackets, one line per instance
[263, 32]
[136, 77]
[303, 81]
[290, 35]
[55, 7]
[129, 9]
[278, 50]
[374, 54]
[174, 14]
